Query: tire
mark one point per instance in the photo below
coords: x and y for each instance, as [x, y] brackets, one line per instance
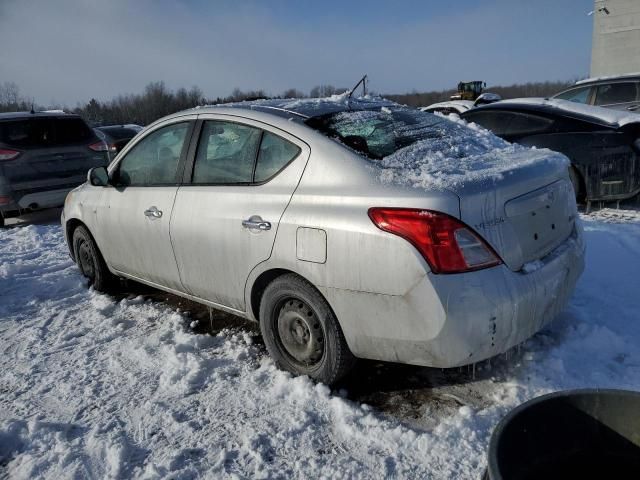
[577, 184]
[90, 261]
[301, 331]
[1, 221]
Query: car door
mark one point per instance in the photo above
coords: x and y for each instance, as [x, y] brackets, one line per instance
[225, 219]
[133, 218]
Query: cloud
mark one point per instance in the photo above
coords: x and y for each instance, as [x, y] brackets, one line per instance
[71, 50]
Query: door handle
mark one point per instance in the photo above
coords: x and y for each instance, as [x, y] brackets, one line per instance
[256, 222]
[153, 212]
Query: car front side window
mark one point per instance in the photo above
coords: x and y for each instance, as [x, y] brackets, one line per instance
[154, 160]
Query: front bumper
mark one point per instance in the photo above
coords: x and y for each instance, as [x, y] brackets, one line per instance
[453, 320]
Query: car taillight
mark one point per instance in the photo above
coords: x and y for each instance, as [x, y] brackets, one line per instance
[99, 147]
[447, 244]
[6, 154]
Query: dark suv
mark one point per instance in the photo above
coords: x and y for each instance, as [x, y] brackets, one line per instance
[620, 93]
[44, 155]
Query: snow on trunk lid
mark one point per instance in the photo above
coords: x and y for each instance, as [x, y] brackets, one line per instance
[518, 199]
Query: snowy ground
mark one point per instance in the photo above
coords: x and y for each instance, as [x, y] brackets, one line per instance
[111, 387]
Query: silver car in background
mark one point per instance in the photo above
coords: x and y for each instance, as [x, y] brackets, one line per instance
[346, 228]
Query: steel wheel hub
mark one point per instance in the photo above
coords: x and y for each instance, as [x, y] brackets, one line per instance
[86, 260]
[300, 332]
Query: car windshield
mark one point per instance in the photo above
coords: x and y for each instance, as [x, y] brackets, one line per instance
[378, 133]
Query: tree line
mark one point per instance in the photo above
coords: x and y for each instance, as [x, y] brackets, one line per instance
[157, 100]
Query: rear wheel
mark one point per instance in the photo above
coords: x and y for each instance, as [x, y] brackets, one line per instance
[577, 183]
[90, 261]
[301, 332]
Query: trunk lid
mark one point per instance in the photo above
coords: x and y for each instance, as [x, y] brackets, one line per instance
[525, 212]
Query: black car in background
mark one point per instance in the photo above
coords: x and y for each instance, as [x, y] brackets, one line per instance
[117, 136]
[44, 155]
[603, 145]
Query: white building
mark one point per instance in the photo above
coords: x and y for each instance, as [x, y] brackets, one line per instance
[616, 37]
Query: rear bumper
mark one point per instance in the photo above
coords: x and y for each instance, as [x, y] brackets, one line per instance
[453, 320]
[35, 195]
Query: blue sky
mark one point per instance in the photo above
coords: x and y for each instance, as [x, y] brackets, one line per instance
[78, 49]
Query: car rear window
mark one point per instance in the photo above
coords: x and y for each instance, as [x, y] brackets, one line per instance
[44, 132]
[378, 133]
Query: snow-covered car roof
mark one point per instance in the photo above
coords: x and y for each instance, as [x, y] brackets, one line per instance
[310, 107]
[599, 115]
[458, 105]
[607, 77]
[45, 113]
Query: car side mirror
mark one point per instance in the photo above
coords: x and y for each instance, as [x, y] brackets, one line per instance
[98, 177]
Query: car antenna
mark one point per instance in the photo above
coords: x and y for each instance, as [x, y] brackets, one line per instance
[362, 81]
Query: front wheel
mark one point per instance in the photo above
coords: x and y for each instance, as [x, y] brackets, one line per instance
[301, 332]
[90, 261]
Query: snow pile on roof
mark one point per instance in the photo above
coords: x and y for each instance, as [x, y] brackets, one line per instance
[96, 387]
[316, 106]
[598, 114]
[454, 153]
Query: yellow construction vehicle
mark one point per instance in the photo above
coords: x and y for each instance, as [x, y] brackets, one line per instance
[469, 90]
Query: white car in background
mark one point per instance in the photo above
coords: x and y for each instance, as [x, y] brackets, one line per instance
[461, 106]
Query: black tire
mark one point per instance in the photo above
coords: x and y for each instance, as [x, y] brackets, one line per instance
[90, 261]
[576, 182]
[301, 332]
[1, 221]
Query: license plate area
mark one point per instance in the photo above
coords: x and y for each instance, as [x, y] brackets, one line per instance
[542, 219]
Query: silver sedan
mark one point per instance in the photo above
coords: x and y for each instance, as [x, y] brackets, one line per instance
[346, 228]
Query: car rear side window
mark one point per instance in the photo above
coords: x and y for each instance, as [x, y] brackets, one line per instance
[154, 160]
[527, 124]
[226, 153]
[45, 132]
[496, 121]
[613, 93]
[577, 95]
[275, 153]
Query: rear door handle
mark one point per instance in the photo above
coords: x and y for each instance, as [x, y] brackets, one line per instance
[256, 222]
[153, 212]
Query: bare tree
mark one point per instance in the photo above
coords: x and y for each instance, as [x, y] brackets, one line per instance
[292, 93]
[320, 91]
[10, 98]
